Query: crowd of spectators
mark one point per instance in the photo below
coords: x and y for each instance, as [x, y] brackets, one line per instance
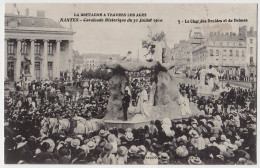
[226, 134]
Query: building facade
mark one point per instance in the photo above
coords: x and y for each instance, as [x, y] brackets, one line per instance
[183, 50]
[223, 51]
[182, 54]
[251, 51]
[234, 54]
[93, 61]
[41, 40]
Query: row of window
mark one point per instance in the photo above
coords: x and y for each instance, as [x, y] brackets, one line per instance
[10, 48]
[217, 52]
[224, 60]
[220, 43]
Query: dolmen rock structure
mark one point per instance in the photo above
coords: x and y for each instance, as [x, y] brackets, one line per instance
[166, 94]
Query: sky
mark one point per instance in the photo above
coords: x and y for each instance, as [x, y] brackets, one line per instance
[119, 38]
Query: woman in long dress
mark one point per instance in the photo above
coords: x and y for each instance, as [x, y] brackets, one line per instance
[151, 94]
[142, 102]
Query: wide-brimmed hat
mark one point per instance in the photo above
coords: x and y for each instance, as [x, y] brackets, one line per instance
[68, 140]
[222, 148]
[85, 148]
[164, 157]
[238, 143]
[228, 154]
[231, 147]
[91, 145]
[75, 143]
[20, 141]
[111, 138]
[182, 151]
[80, 137]
[21, 144]
[142, 150]
[133, 149]
[129, 136]
[52, 144]
[194, 121]
[194, 161]
[183, 138]
[212, 139]
[108, 148]
[103, 133]
[223, 137]
[122, 151]
[204, 121]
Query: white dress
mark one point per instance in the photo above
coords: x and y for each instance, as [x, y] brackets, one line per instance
[184, 104]
[151, 94]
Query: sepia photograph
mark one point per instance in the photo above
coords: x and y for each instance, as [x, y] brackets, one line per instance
[130, 83]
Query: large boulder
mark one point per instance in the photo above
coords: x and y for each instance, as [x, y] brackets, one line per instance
[116, 86]
[166, 89]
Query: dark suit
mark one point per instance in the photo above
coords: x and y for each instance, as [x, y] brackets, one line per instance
[126, 101]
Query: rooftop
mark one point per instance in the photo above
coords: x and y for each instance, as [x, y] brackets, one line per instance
[31, 21]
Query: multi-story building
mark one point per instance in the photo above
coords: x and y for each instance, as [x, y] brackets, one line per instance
[93, 61]
[225, 51]
[183, 50]
[182, 54]
[234, 54]
[251, 50]
[44, 42]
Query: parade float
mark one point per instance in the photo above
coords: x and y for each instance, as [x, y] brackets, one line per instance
[165, 95]
[209, 85]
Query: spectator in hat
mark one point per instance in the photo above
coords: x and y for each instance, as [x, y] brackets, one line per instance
[122, 155]
[64, 154]
[44, 155]
[107, 157]
[163, 159]
[195, 161]
[181, 155]
[113, 141]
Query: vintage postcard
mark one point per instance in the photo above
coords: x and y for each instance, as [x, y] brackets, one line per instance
[130, 83]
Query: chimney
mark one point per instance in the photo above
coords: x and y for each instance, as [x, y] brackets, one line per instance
[27, 12]
[251, 29]
[40, 13]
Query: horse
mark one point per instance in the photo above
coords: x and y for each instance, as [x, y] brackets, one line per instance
[77, 125]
